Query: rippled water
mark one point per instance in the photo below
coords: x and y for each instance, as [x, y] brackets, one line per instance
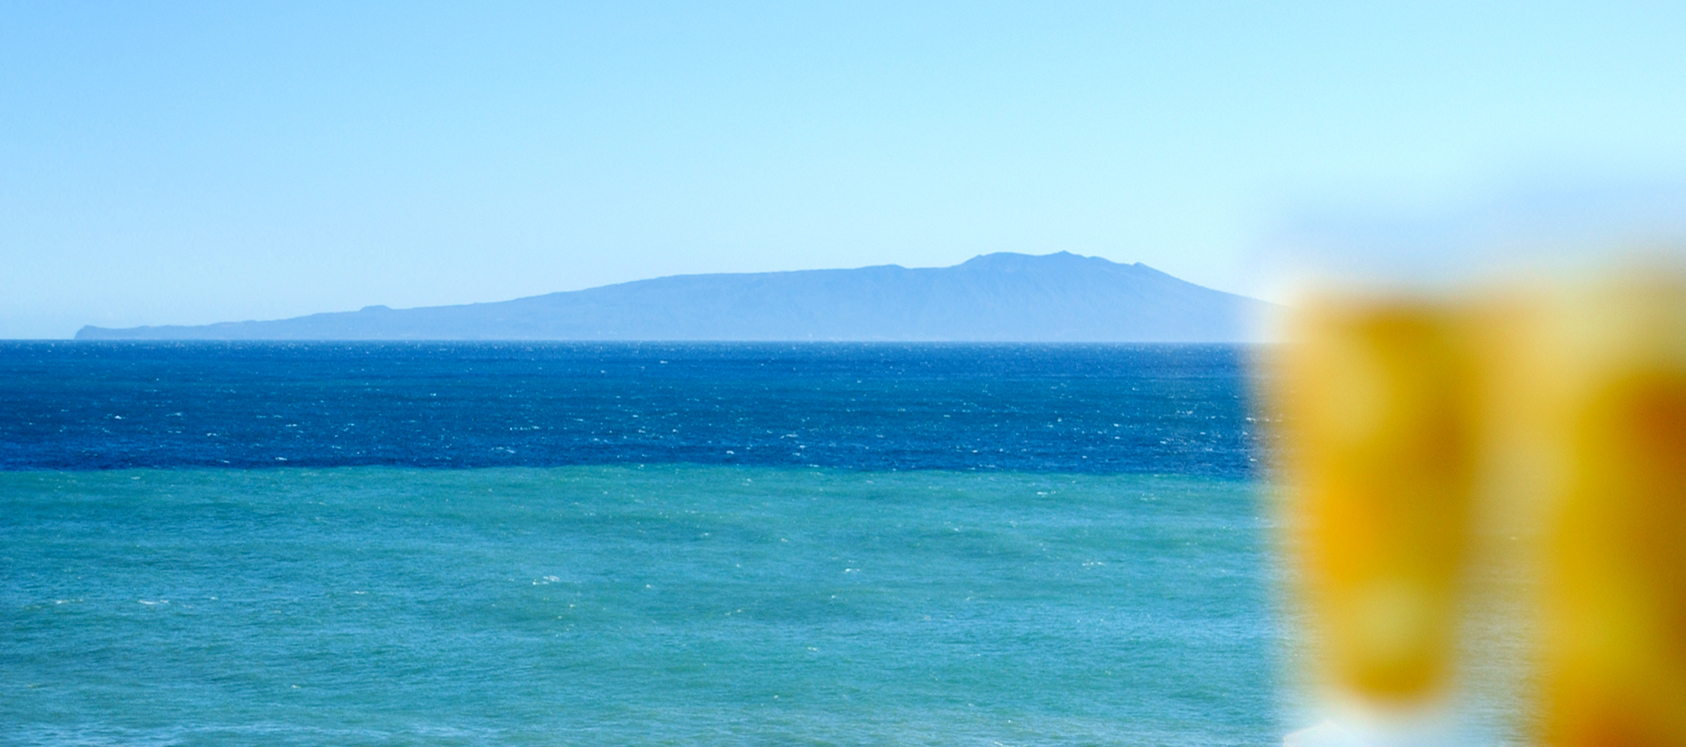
[1001, 544]
[1045, 408]
[626, 605]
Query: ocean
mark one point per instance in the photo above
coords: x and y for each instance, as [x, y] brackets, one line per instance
[487, 544]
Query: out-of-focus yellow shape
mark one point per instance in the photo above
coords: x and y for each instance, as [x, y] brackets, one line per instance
[1377, 401]
[1613, 371]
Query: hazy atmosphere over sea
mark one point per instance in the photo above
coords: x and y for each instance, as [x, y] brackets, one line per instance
[750, 373]
[187, 164]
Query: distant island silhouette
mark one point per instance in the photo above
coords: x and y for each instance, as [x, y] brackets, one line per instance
[1003, 297]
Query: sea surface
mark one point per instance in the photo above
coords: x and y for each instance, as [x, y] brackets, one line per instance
[628, 544]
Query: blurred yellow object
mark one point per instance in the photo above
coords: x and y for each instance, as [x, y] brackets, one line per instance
[1612, 372]
[1378, 402]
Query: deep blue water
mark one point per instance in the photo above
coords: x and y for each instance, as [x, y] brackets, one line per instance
[1042, 408]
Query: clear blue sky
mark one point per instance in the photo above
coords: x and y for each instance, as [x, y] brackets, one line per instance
[189, 163]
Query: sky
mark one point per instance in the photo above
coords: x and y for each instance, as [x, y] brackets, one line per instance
[189, 163]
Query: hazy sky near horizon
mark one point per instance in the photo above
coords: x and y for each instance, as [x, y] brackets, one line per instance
[198, 162]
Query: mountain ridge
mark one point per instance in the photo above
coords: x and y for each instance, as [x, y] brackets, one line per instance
[1002, 297]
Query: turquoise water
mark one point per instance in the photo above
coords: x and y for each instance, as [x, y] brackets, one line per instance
[626, 604]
